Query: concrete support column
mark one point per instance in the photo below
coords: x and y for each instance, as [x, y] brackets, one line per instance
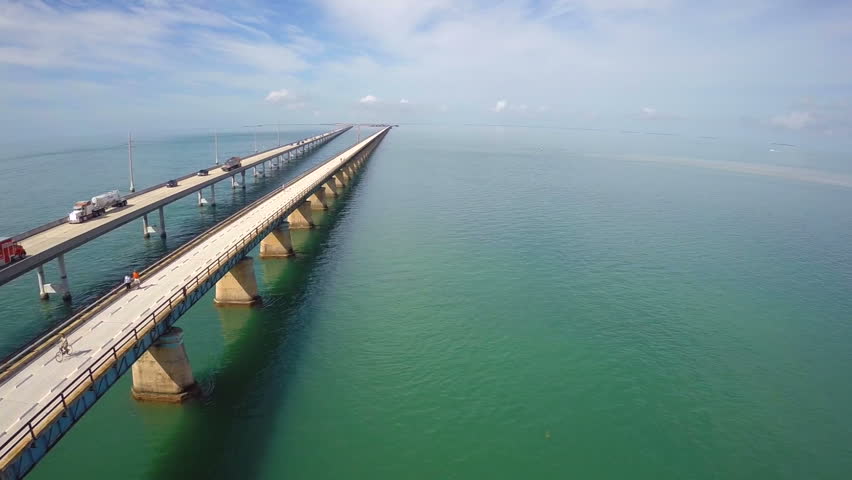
[278, 243]
[330, 189]
[162, 223]
[63, 276]
[234, 182]
[145, 232]
[42, 294]
[339, 180]
[212, 195]
[301, 217]
[318, 200]
[239, 286]
[200, 199]
[243, 176]
[163, 373]
[254, 171]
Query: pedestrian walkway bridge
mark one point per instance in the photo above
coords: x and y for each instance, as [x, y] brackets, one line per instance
[43, 394]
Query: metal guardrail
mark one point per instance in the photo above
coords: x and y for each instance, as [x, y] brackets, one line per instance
[86, 379]
[60, 221]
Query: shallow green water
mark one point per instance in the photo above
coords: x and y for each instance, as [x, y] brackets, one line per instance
[496, 303]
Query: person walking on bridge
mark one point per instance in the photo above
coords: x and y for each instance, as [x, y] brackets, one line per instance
[127, 282]
[136, 279]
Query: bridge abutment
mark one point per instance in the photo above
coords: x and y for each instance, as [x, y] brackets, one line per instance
[239, 286]
[277, 244]
[301, 217]
[163, 373]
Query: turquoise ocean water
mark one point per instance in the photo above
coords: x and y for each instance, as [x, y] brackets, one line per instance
[486, 302]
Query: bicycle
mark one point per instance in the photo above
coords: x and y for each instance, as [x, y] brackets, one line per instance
[64, 349]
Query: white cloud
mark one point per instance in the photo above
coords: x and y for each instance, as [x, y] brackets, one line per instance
[793, 120]
[368, 100]
[403, 101]
[277, 96]
[500, 106]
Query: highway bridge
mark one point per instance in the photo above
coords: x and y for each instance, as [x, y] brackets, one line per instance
[44, 393]
[54, 239]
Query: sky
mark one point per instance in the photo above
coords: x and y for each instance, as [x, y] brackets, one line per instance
[774, 69]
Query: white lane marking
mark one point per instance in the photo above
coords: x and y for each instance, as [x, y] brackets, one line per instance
[24, 380]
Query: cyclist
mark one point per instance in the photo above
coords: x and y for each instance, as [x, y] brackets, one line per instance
[64, 349]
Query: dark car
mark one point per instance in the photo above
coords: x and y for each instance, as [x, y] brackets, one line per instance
[203, 172]
[171, 183]
[232, 163]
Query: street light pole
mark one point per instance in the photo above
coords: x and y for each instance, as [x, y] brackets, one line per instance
[216, 145]
[130, 159]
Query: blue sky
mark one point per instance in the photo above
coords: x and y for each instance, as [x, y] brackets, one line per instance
[775, 69]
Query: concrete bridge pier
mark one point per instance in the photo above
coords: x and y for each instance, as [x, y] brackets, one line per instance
[239, 286]
[318, 200]
[63, 277]
[212, 195]
[330, 189]
[162, 223]
[339, 180]
[163, 374]
[301, 217]
[278, 243]
[42, 293]
[145, 232]
[243, 178]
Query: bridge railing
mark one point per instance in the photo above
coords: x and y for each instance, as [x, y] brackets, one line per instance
[86, 378]
[36, 345]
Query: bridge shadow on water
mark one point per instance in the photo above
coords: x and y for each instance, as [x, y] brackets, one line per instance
[226, 433]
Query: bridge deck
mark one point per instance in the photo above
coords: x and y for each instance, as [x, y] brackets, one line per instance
[44, 246]
[25, 391]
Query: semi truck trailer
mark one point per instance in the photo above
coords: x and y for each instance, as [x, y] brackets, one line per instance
[95, 207]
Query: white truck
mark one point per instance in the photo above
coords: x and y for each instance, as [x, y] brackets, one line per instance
[96, 206]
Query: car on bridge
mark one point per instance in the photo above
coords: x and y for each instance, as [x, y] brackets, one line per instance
[171, 183]
[232, 163]
[203, 172]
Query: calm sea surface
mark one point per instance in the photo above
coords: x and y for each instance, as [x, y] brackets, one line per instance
[486, 302]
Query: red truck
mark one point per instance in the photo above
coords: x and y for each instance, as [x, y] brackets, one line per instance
[10, 251]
